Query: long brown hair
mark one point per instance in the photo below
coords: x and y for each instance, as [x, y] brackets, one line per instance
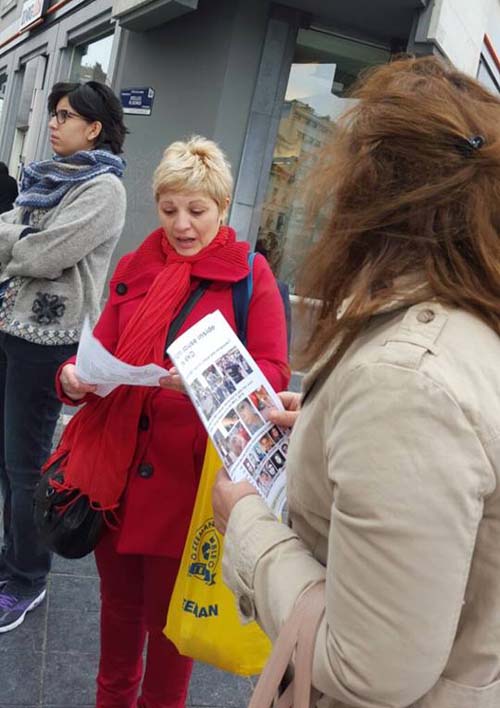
[413, 175]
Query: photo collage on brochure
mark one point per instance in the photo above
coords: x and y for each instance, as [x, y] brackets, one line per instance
[226, 392]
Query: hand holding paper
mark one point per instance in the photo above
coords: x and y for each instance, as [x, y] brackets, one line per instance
[95, 365]
[73, 387]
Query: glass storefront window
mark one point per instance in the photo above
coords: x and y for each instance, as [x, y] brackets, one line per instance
[323, 69]
[486, 76]
[3, 86]
[91, 61]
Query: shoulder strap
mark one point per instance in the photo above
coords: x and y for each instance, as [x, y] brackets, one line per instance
[179, 320]
[242, 293]
[295, 642]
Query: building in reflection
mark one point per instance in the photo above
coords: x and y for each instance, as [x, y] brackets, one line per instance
[301, 136]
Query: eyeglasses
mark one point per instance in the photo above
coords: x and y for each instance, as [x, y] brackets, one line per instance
[62, 115]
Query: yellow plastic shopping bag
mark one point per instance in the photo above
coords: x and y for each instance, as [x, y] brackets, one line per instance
[202, 620]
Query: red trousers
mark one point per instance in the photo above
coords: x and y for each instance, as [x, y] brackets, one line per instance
[135, 594]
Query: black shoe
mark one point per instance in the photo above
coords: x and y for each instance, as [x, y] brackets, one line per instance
[15, 603]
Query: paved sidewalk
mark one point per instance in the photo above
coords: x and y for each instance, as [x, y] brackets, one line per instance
[50, 660]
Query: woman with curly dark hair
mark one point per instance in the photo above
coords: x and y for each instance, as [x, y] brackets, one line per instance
[394, 461]
[55, 249]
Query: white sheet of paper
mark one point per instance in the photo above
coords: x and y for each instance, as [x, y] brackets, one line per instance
[95, 365]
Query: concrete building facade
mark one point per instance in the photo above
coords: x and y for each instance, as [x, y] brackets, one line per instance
[267, 80]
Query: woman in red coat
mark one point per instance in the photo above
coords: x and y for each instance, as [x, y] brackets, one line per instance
[140, 450]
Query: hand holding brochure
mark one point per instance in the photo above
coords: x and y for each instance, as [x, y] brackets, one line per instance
[232, 396]
[95, 365]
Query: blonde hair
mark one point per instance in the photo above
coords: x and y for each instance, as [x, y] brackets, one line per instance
[195, 165]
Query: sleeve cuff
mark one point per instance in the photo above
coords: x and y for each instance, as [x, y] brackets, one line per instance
[251, 533]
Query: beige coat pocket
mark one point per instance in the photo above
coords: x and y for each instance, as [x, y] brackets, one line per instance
[448, 694]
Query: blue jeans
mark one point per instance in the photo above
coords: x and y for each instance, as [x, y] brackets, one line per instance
[29, 409]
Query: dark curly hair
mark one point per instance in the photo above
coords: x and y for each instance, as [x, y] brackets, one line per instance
[94, 101]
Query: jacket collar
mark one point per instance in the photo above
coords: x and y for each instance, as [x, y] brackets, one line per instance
[408, 287]
[412, 286]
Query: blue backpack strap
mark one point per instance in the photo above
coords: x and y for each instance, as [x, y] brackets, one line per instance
[285, 296]
[242, 293]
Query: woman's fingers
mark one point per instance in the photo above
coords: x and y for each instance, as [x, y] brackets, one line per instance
[290, 400]
[219, 491]
[288, 417]
[173, 381]
[285, 419]
[71, 384]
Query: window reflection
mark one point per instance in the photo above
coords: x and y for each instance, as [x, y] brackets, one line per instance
[3, 86]
[91, 61]
[323, 69]
[486, 76]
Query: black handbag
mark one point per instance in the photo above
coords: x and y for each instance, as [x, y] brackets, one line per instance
[66, 522]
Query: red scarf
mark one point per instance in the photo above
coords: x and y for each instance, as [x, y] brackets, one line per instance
[101, 439]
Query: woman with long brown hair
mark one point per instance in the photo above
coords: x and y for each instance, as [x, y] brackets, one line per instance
[394, 461]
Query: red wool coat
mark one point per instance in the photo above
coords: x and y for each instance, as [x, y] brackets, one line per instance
[163, 478]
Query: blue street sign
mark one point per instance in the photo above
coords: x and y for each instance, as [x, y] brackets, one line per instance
[137, 101]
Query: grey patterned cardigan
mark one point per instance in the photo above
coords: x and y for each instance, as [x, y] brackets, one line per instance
[56, 265]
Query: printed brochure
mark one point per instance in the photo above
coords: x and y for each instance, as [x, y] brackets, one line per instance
[232, 396]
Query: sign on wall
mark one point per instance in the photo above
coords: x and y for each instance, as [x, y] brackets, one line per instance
[32, 11]
[138, 101]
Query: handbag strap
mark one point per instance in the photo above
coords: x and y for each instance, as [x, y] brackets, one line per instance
[242, 294]
[299, 631]
[286, 698]
[314, 609]
[269, 680]
[180, 318]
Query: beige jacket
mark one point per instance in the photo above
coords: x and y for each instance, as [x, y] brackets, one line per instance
[394, 496]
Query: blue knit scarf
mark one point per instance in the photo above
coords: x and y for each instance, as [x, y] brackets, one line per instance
[45, 183]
